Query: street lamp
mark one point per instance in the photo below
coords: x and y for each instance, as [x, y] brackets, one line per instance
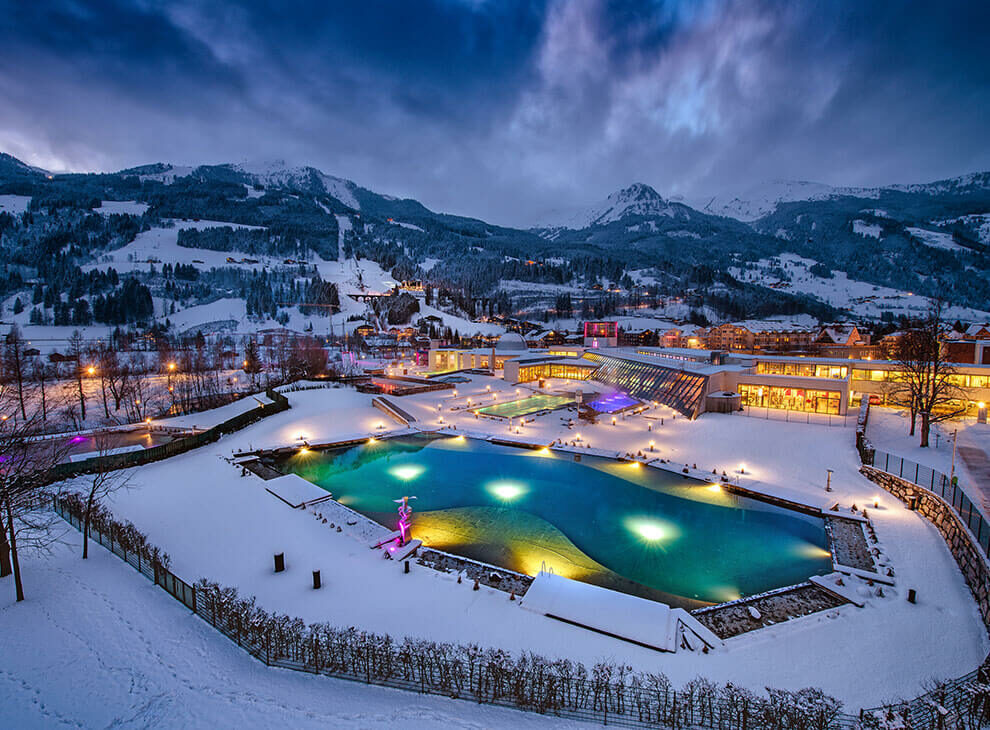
[952, 473]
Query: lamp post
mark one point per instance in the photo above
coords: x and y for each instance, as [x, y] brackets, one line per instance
[952, 473]
[828, 480]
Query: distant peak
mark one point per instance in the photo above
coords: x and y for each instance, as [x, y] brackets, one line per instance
[641, 189]
[638, 199]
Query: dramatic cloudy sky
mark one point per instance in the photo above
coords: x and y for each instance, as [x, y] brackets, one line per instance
[502, 109]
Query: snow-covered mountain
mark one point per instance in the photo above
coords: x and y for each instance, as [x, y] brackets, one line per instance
[761, 200]
[276, 173]
[11, 167]
[638, 199]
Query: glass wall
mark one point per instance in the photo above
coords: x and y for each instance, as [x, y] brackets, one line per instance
[678, 389]
[791, 399]
[807, 370]
[962, 380]
[529, 373]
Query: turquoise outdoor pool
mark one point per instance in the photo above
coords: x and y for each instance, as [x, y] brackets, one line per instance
[644, 531]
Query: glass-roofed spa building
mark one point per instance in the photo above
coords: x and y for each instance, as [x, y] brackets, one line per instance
[693, 381]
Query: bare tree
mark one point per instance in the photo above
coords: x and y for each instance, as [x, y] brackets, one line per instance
[926, 379]
[903, 388]
[16, 365]
[140, 399]
[118, 378]
[24, 466]
[102, 481]
[76, 352]
[43, 373]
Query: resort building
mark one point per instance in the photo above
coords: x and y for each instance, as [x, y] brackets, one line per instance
[693, 381]
[446, 359]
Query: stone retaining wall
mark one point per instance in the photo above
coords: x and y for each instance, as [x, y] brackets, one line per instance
[961, 542]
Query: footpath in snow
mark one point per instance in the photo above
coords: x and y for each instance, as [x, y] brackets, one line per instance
[98, 645]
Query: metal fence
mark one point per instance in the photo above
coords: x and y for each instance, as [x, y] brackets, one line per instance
[957, 703]
[780, 414]
[362, 657]
[937, 483]
[175, 586]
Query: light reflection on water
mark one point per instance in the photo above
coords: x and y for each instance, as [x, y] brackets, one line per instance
[642, 530]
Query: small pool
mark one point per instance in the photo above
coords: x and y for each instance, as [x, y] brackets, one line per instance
[644, 531]
[525, 406]
[613, 403]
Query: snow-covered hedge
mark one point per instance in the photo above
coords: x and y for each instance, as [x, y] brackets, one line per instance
[124, 534]
[527, 681]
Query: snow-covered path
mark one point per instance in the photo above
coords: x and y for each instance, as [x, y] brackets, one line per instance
[98, 645]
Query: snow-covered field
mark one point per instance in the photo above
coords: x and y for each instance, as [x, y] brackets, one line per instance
[217, 524]
[14, 204]
[867, 229]
[861, 298]
[160, 245]
[123, 207]
[98, 645]
[936, 239]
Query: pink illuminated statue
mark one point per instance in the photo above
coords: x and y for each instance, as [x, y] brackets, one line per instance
[405, 516]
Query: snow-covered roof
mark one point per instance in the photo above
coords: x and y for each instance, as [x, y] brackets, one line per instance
[610, 612]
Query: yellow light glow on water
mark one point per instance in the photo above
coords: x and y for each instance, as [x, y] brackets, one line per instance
[726, 593]
[506, 491]
[813, 551]
[407, 472]
[635, 464]
[714, 487]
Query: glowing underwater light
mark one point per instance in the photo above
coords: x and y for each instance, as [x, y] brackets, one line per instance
[653, 530]
[650, 531]
[407, 472]
[506, 491]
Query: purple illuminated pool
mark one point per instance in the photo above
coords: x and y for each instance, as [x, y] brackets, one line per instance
[613, 403]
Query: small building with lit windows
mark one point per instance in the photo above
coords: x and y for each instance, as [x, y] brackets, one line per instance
[601, 334]
[509, 346]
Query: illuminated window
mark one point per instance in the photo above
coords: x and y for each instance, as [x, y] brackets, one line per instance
[791, 399]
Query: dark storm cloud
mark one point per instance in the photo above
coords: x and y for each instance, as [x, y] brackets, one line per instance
[499, 108]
